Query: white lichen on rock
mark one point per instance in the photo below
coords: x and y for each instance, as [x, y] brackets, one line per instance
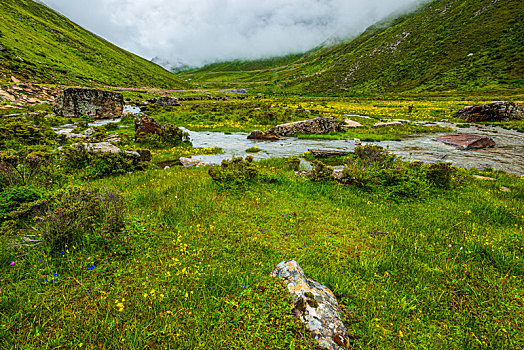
[315, 305]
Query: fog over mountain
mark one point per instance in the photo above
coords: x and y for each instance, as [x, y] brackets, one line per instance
[196, 32]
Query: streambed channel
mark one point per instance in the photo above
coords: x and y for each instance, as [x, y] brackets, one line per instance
[507, 155]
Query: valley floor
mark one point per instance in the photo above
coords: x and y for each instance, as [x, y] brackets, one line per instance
[412, 267]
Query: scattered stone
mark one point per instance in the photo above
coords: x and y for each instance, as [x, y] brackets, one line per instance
[492, 112]
[113, 138]
[76, 102]
[188, 162]
[90, 132]
[145, 125]
[505, 189]
[260, 135]
[315, 305]
[15, 80]
[483, 178]
[387, 124]
[71, 135]
[320, 153]
[358, 142]
[168, 101]
[321, 125]
[104, 147]
[467, 141]
[350, 124]
[2, 49]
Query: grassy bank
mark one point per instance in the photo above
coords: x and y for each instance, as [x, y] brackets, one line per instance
[438, 271]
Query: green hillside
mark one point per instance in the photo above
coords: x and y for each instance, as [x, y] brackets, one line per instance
[443, 45]
[38, 44]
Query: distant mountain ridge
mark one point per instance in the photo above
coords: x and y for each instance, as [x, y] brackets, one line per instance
[38, 44]
[443, 45]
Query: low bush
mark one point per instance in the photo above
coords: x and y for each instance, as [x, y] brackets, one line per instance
[440, 174]
[96, 164]
[321, 171]
[170, 136]
[234, 173]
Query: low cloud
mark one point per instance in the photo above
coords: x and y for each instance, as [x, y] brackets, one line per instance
[196, 32]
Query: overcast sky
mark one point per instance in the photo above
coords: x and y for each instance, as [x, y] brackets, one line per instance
[196, 32]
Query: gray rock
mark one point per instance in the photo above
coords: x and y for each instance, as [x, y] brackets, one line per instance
[76, 102]
[260, 135]
[491, 112]
[386, 124]
[321, 125]
[188, 162]
[315, 305]
[168, 101]
[350, 124]
[90, 131]
[104, 147]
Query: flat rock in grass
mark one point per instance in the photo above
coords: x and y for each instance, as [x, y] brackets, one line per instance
[104, 147]
[350, 124]
[188, 162]
[505, 189]
[315, 305]
[467, 141]
[387, 124]
[483, 178]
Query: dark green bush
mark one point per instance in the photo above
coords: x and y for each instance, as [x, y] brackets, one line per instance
[440, 174]
[292, 163]
[76, 216]
[170, 136]
[321, 171]
[234, 173]
[89, 164]
[23, 168]
[374, 154]
[13, 197]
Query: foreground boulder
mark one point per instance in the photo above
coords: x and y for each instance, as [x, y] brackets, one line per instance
[188, 162]
[145, 125]
[77, 102]
[467, 141]
[315, 305]
[260, 135]
[492, 112]
[321, 125]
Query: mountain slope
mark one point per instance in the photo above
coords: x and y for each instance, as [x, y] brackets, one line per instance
[38, 44]
[443, 45]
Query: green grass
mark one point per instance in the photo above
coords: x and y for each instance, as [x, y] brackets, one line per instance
[43, 46]
[446, 275]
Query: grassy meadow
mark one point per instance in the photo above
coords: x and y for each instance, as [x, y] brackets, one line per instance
[118, 255]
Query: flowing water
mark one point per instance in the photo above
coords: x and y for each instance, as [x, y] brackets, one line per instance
[507, 155]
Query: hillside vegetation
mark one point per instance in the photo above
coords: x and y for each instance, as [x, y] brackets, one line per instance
[444, 45]
[38, 44]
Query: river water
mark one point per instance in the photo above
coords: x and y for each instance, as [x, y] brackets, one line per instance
[507, 155]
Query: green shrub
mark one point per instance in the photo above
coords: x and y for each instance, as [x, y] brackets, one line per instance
[374, 154]
[96, 164]
[22, 169]
[321, 171]
[355, 173]
[440, 174]
[170, 136]
[13, 197]
[292, 163]
[234, 173]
